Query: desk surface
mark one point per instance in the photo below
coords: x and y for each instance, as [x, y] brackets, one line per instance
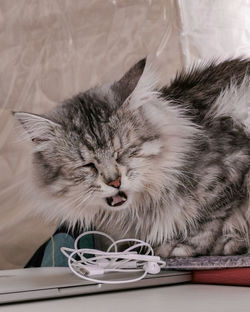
[183, 298]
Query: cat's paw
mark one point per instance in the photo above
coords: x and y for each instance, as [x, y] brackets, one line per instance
[164, 250]
[232, 246]
[235, 247]
[169, 250]
[182, 250]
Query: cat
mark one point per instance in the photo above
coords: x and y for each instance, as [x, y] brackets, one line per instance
[169, 165]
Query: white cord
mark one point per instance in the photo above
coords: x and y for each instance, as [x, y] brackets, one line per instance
[101, 262]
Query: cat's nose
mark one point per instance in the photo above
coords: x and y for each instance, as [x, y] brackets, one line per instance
[115, 183]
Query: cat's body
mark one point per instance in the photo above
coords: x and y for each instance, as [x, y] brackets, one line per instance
[170, 167]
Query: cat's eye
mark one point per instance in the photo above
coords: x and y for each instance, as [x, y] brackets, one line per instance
[133, 153]
[117, 154]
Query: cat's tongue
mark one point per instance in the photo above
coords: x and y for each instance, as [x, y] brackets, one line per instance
[117, 200]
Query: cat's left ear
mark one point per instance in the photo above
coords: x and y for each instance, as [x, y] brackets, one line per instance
[126, 85]
[38, 128]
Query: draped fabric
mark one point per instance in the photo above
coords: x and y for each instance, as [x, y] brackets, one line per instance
[50, 50]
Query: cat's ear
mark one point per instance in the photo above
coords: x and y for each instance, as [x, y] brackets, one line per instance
[38, 128]
[145, 92]
[126, 85]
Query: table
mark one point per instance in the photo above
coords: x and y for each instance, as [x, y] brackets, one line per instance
[183, 298]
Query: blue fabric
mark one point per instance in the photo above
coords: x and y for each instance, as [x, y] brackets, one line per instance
[49, 254]
[52, 256]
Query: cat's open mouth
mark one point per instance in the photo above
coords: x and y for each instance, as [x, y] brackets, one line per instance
[119, 199]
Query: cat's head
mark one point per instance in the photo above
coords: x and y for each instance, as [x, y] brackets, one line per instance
[104, 148]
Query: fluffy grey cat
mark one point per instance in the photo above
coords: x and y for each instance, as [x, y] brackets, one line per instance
[167, 165]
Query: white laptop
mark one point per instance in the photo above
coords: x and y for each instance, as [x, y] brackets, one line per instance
[44, 283]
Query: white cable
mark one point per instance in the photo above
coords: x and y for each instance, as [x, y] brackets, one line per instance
[106, 261]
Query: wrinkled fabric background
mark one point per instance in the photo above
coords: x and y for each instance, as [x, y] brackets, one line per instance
[52, 49]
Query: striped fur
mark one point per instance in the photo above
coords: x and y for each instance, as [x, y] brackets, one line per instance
[182, 152]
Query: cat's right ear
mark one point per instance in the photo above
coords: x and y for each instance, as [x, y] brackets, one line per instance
[39, 129]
